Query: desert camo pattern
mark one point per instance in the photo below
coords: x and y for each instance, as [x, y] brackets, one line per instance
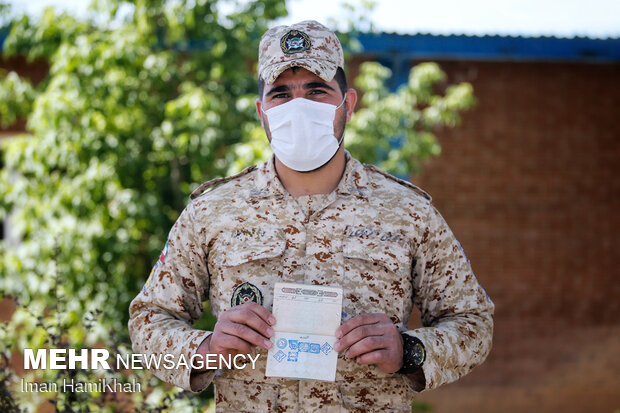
[323, 56]
[380, 239]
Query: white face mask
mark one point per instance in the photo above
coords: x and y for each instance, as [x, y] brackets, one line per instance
[302, 133]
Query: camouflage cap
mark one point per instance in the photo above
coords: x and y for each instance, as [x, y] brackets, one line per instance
[307, 44]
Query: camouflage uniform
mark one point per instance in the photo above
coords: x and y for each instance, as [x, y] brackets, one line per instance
[378, 237]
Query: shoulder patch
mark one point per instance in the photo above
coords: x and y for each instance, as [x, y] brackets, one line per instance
[400, 181]
[218, 181]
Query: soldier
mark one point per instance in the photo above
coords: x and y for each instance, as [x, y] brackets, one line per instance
[314, 215]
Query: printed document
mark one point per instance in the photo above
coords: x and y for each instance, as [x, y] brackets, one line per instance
[307, 317]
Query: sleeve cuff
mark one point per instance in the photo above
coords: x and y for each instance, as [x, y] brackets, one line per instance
[423, 379]
[200, 380]
[185, 348]
[416, 380]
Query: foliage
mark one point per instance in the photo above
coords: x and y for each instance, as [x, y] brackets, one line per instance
[396, 130]
[132, 116]
[4, 13]
[135, 112]
[419, 407]
[353, 19]
[16, 97]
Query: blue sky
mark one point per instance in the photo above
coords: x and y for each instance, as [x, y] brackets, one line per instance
[562, 18]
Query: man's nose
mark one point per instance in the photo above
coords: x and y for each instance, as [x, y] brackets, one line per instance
[297, 93]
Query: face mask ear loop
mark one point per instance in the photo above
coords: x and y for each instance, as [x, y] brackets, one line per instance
[344, 128]
[341, 103]
[341, 138]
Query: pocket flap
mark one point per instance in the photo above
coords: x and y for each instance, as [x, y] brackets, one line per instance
[391, 254]
[245, 245]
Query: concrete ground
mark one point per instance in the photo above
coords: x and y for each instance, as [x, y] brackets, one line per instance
[572, 371]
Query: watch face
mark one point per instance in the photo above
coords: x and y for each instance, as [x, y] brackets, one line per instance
[413, 354]
[417, 354]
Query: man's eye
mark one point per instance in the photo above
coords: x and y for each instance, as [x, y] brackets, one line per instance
[280, 96]
[317, 92]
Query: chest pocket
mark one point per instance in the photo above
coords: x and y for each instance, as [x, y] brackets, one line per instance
[246, 245]
[393, 256]
[377, 278]
[253, 255]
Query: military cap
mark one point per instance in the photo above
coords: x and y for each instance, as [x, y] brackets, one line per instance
[307, 44]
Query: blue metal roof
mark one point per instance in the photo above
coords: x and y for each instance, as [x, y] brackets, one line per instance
[397, 51]
[4, 32]
[499, 48]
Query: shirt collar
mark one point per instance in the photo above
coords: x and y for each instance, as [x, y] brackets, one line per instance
[267, 183]
[354, 180]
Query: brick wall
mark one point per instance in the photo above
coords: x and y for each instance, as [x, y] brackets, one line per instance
[530, 184]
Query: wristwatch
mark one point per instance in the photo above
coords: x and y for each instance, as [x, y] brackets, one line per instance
[414, 354]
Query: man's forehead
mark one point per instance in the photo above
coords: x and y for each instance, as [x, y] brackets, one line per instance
[297, 75]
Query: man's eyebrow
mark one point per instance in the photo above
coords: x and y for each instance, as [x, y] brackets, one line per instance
[278, 89]
[307, 86]
[318, 85]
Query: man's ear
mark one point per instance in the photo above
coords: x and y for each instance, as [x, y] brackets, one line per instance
[259, 112]
[351, 101]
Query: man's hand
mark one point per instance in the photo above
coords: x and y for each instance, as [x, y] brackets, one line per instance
[371, 339]
[240, 329]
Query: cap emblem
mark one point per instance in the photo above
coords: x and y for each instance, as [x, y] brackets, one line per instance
[295, 42]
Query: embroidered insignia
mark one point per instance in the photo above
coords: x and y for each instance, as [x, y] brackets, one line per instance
[160, 261]
[163, 254]
[363, 232]
[148, 280]
[295, 42]
[244, 293]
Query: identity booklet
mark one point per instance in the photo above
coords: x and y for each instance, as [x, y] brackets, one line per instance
[307, 317]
